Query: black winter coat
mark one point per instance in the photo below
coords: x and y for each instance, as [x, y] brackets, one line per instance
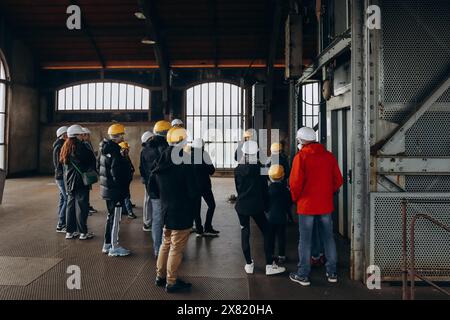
[279, 203]
[251, 187]
[178, 191]
[115, 172]
[84, 159]
[59, 171]
[204, 170]
[150, 155]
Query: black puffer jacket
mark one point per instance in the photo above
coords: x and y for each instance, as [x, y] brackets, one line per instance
[203, 170]
[115, 172]
[150, 155]
[279, 203]
[251, 187]
[178, 191]
[84, 159]
[59, 171]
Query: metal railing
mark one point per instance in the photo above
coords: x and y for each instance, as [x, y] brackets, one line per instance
[411, 271]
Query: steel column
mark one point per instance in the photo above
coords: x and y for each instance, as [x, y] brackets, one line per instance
[359, 144]
[293, 117]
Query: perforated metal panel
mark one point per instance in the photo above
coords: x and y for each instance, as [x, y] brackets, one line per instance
[427, 183]
[430, 135]
[410, 65]
[445, 97]
[385, 244]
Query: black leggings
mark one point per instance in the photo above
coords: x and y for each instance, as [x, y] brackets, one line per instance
[277, 233]
[261, 222]
[210, 202]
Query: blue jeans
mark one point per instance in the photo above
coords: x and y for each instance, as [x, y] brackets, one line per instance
[147, 210]
[157, 225]
[62, 203]
[317, 243]
[127, 205]
[306, 225]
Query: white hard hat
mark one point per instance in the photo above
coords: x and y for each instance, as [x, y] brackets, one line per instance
[250, 147]
[61, 131]
[197, 143]
[74, 130]
[306, 134]
[147, 135]
[86, 130]
[177, 122]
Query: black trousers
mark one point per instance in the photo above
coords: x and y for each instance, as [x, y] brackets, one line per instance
[211, 203]
[112, 222]
[263, 225]
[276, 233]
[77, 211]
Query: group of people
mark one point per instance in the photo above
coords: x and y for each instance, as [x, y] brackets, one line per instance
[174, 190]
[310, 184]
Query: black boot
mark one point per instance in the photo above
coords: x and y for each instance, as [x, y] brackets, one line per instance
[179, 286]
[160, 282]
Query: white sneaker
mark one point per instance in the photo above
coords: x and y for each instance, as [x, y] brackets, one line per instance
[274, 269]
[106, 248]
[70, 236]
[118, 252]
[249, 268]
[86, 236]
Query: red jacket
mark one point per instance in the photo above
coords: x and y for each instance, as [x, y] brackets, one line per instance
[315, 177]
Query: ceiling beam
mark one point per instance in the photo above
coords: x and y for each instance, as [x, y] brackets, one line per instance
[151, 64]
[88, 33]
[155, 32]
[214, 31]
[273, 45]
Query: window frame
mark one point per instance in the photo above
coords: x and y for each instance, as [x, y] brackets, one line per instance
[242, 108]
[6, 82]
[314, 104]
[103, 109]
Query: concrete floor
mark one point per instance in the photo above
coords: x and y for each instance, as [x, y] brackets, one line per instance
[214, 266]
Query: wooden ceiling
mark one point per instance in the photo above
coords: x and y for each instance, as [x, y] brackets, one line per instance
[197, 33]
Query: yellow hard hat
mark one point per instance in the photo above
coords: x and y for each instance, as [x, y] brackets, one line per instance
[124, 145]
[161, 127]
[276, 147]
[116, 129]
[276, 172]
[176, 135]
[248, 134]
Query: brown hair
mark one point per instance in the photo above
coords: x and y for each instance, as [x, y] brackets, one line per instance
[67, 149]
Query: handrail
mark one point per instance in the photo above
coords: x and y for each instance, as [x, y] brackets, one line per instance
[412, 271]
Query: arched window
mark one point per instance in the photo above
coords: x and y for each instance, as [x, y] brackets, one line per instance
[103, 96]
[4, 81]
[215, 111]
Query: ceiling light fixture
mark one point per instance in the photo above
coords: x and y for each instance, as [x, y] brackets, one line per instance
[147, 40]
[140, 15]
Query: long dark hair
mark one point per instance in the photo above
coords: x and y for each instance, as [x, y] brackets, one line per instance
[67, 149]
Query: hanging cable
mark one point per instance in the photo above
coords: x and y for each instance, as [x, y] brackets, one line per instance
[297, 94]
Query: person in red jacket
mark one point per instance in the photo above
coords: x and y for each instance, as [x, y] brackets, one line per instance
[315, 177]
